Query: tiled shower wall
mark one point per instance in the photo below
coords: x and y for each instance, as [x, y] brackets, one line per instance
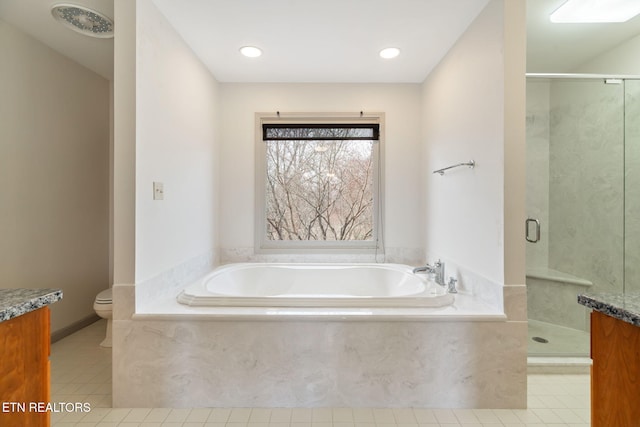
[586, 181]
[632, 186]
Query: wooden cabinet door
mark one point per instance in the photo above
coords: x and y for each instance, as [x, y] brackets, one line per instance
[615, 373]
[24, 369]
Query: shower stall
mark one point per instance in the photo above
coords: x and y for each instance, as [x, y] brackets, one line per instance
[583, 202]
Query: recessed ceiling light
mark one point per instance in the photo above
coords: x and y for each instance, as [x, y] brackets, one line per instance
[592, 11]
[390, 52]
[250, 51]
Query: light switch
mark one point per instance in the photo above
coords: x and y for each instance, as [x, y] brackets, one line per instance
[158, 191]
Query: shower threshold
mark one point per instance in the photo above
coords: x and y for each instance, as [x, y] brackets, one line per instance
[557, 349]
[558, 365]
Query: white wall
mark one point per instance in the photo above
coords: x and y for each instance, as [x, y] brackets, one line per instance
[54, 175]
[176, 137]
[515, 153]
[124, 145]
[474, 108]
[622, 60]
[464, 119]
[166, 125]
[402, 181]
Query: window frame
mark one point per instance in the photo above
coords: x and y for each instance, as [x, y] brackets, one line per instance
[262, 244]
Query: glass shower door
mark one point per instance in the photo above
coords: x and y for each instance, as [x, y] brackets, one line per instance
[575, 189]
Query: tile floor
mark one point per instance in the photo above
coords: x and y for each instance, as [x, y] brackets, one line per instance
[81, 372]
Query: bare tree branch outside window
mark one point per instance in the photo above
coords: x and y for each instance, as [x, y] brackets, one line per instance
[320, 189]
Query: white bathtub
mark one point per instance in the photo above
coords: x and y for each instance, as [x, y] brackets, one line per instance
[314, 285]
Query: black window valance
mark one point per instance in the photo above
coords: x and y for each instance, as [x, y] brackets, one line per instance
[320, 132]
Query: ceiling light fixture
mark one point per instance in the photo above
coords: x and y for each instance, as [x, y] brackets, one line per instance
[390, 52]
[595, 11]
[250, 51]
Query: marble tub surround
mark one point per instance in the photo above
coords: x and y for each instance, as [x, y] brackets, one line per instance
[464, 308]
[171, 281]
[625, 307]
[469, 282]
[466, 355]
[319, 364]
[515, 302]
[16, 302]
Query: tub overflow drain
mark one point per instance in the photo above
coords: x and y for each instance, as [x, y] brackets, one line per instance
[540, 339]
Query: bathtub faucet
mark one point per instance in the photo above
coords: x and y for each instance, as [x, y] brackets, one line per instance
[437, 269]
[425, 269]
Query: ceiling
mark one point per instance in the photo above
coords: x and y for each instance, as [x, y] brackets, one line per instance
[327, 41]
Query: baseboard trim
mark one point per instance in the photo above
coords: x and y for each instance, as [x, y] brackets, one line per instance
[74, 327]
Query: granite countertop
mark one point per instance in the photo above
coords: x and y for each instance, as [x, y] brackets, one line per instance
[16, 302]
[625, 307]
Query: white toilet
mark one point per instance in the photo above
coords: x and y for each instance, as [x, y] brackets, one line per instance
[103, 305]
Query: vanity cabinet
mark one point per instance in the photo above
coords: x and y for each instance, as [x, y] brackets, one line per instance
[24, 356]
[24, 368]
[615, 373]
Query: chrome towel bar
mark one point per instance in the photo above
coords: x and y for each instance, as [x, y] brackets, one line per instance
[471, 164]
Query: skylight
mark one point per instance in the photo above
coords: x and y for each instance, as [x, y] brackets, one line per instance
[596, 11]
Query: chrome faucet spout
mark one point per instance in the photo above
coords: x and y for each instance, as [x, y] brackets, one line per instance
[425, 269]
[437, 268]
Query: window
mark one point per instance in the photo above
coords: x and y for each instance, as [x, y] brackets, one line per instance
[318, 184]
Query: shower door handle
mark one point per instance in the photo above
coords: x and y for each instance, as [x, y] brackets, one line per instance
[527, 228]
